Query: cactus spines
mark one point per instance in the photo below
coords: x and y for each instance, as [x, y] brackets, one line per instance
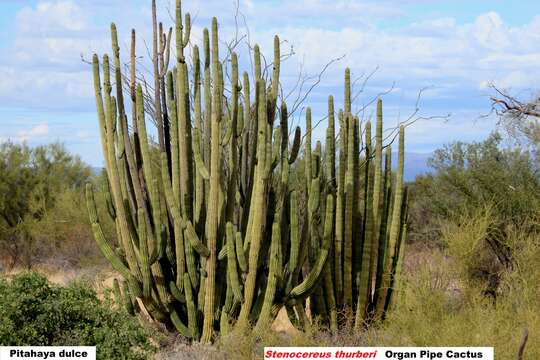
[213, 197]
[330, 151]
[347, 89]
[350, 199]
[382, 242]
[191, 309]
[365, 273]
[257, 61]
[211, 233]
[103, 244]
[294, 239]
[395, 227]
[116, 292]
[310, 280]
[127, 298]
[232, 269]
[258, 203]
[378, 187]
[273, 274]
[144, 256]
[307, 150]
[296, 145]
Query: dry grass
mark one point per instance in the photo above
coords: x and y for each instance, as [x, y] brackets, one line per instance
[441, 305]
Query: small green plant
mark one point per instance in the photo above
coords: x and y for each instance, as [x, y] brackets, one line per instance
[34, 312]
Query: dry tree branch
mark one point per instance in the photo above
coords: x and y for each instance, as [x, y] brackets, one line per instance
[126, 85]
[505, 104]
[365, 80]
[303, 79]
[374, 98]
[412, 118]
[519, 119]
[522, 343]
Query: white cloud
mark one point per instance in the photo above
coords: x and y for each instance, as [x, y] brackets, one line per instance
[52, 89]
[436, 51]
[84, 135]
[463, 126]
[44, 70]
[35, 133]
[51, 16]
[515, 79]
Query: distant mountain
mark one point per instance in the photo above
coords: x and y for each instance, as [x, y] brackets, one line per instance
[415, 164]
[96, 170]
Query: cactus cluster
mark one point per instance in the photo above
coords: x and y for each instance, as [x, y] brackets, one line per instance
[362, 231]
[214, 234]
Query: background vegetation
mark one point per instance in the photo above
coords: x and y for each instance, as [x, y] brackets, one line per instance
[43, 217]
[471, 269]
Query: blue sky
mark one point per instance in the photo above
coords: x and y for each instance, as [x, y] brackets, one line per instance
[453, 49]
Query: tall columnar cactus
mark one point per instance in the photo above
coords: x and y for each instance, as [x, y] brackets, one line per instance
[211, 233]
[367, 241]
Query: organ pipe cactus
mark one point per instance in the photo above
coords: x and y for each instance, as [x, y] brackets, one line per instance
[212, 236]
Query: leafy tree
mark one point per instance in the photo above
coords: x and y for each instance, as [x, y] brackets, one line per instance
[471, 176]
[30, 181]
[476, 178]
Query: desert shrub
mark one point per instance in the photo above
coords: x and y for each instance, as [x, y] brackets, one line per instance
[478, 263]
[470, 176]
[443, 305]
[30, 181]
[35, 313]
[43, 216]
[63, 237]
[440, 304]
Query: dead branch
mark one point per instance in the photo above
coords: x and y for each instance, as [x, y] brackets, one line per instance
[505, 104]
[522, 343]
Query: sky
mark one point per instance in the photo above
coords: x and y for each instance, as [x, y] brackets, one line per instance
[449, 50]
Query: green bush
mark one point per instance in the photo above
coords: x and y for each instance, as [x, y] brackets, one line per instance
[468, 177]
[63, 238]
[31, 182]
[443, 305]
[34, 312]
[43, 216]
